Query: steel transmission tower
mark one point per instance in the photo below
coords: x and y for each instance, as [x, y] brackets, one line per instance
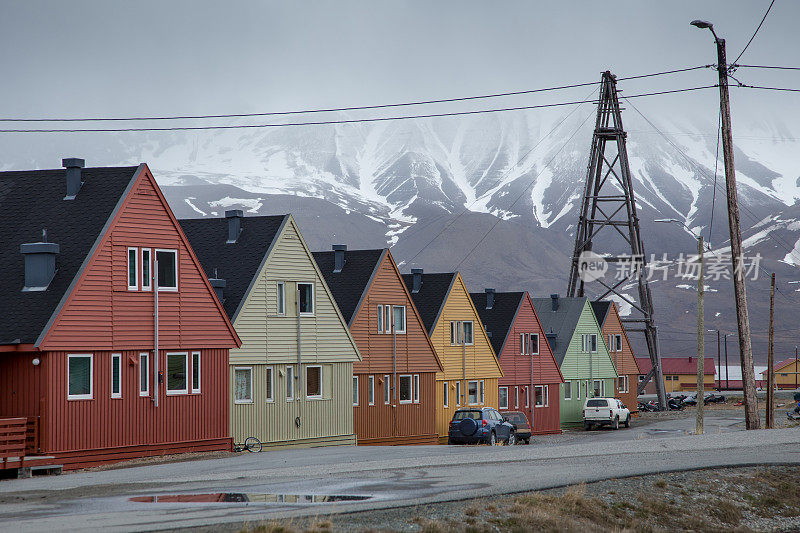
[608, 218]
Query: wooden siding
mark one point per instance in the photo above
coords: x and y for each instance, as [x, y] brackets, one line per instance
[786, 376]
[102, 314]
[22, 385]
[517, 370]
[327, 420]
[624, 360]
[445, 414]
[395, 423]
[104, 423]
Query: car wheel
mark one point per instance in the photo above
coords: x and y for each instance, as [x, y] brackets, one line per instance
[512, 439]
[527, 441]
[587, 426]
[628, 421]
[492, 439]
[615, 425]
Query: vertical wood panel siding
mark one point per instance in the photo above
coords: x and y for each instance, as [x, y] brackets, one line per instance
[271, 339]
[445, 414]
[22, 384]
[381, 423]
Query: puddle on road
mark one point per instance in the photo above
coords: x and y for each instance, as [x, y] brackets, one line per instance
[240, 497]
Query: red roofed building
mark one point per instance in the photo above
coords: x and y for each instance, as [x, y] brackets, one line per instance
[786, 374]
[680, 373]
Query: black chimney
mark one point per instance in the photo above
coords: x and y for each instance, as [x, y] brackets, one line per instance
[489, 298]
[219, 287]
[338, 257]
[73, 166]
[234, 217]
[554, 301]
[551, 339]
[40, 264]
[416, 280]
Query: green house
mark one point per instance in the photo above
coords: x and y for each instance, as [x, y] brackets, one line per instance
[577, 343]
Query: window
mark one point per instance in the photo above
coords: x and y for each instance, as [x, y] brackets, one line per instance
[416, 388]
[446, 393]
[542, 393]
[472, 392]
[387, 319]
[578, 390]
[622, 384]
[380, 319]
[387, 389]
[281, 298]
[147, 276]
[617, 343]
[177, 373]
[568, 390]
[522, 338]
[591, 342]
[167, 274]
[133, 269]
[144, 374]
[516, 397]
[314, 382]
[306, 291]
[405, 389]
[599, 388]
[399, 314]
[243, 385]
[195, 372]
[533, 345]
[458, 393]
[467, 333]
[502, 394]
[270, 383]
[116, 375]
[290, 383]
[355, 391]
[527, 396]
[482, 392]
[79, 377]
[371, 390]
[641, 379]
[455, 333]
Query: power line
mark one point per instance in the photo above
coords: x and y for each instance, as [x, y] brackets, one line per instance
[736, 65]
[746, 86]
[342, 121]
[755, 32]
[348, 108]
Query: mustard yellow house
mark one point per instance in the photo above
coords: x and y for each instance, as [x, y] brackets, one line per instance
[471, 370]
[787, 374]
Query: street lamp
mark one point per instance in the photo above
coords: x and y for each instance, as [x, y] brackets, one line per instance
[700, 327]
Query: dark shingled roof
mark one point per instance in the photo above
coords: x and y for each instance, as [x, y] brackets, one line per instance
[349, 285]
[31, 201]
[562, 322]
[500, 317]
[601, 308]
[236, 263]
[430, 299]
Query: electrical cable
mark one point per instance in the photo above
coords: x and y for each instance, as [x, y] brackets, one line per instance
[736, 65]
[755, 32]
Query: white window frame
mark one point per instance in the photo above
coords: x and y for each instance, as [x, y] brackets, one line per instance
[455, 333]
[89, 396]
[446, 391]
[617, 342]
[410, 389]
[403, 330]
[592, 345]
[522, 339]
[530, 343]
[135, 286]
[387, 319]
[371, 390]
[380, 318]
[471, 332]
[458, 393]
[499, 396]
[355, 391]
[538, 391]
[176, 392]
[198, 366]
[387, 389]
[516, 396]
[626, 386]
[527, 396]
[567, 388]
[314, 396]
[174, 252]
[280, 298]
[600, 389]
[269, 375]
[290, 395]
[146, 281]
[313, 299]
[245, 401]
[482, 392]
[477, 392]
[146, 357]
[415, 388]
[117, 356]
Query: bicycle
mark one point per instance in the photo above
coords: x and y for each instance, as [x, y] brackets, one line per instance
[250, 444]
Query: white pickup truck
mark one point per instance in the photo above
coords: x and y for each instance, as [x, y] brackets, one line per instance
[605, 412]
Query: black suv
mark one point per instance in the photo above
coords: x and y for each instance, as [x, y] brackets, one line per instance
[480, 425]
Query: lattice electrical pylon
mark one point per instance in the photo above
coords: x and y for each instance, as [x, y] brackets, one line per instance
[608, 217]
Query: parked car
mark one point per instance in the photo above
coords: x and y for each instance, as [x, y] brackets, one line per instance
[521, 426]
[605, 412]
[480, 425]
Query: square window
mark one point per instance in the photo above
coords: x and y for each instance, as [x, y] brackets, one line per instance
[147, 276]
[116, 375]
[79, 377]
[270, 383]
[281, 298]
[468, 333]
[399, 314]
[243, 385]
[144, 374]
[405, 389]
[472, 392]
[314, 382]
[133, 269]
[290, 383]
[306, 291]
[355, 391]
[503, 397]
[177, 373]
[167, 273]
[195, 372]
[371, 390]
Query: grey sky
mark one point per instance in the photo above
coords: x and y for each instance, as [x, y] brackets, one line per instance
[155, 57]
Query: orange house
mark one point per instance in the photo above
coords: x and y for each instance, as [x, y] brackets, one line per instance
[619, 348]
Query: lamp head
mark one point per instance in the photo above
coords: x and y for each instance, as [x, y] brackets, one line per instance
[666, 220]
[702, 24]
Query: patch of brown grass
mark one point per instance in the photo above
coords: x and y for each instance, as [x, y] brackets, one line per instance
[726, 511]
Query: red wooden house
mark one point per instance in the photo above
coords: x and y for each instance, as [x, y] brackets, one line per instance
[525, 357]
[97, 277]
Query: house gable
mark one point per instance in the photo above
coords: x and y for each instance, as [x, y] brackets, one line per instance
[624, 361]
[546, 368]
[576, 362]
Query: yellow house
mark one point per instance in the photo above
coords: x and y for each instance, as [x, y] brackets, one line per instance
[787, 374]
[680, 374]
[471, 370]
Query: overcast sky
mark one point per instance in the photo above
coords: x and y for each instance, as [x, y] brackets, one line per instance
[104, 58]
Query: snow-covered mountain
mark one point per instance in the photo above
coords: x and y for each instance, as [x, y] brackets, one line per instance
[495, 196]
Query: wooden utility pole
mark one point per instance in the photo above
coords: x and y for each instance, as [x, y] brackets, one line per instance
[770, 357]
[700, 341]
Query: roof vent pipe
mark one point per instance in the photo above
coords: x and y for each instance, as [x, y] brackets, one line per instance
[554, 301]
[234, 217]
[219, 286]
[489, 298]
[74, 182]
[338, 257]
[40, 263]
[416, 280]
